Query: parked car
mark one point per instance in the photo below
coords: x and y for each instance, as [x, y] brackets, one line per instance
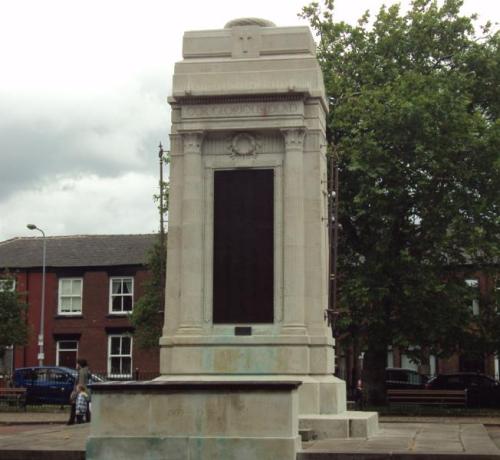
[482, 390]
[396, 377]
[48, 384]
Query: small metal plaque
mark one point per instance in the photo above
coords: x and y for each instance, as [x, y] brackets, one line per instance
[240, 330]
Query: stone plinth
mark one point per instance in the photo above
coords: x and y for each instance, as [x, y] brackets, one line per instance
[251, 97]
[182, 420]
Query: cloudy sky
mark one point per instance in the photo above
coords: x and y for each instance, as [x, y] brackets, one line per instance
[83, 103]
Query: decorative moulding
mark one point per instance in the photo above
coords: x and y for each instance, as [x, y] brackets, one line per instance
[243, 144]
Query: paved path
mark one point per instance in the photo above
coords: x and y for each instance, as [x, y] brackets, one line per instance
[35, 418]
[61, 416]
[401, 440]
[484, 420]
[50, 442]
[404, 439]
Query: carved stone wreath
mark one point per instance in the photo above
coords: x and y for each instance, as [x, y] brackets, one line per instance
[243, 144]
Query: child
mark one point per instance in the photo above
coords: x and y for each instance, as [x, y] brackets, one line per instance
[82, 402]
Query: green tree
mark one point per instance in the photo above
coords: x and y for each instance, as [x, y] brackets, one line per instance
[414, 103]
[13, 328]
[147, 315]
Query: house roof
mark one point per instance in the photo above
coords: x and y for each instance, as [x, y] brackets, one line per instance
[76, 251]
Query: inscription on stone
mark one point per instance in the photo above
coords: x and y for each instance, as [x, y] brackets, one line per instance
[242, 330]
[258, 109]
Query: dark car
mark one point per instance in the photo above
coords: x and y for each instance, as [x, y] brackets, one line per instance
[396, 378]
[482, 390]
[48, 384]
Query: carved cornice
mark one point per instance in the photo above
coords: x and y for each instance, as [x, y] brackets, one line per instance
[192, 141]
[294, 137]
[221, 143]
[224, 99]
[175, 144]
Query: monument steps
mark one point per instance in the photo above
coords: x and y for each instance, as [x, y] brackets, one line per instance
[348, 424]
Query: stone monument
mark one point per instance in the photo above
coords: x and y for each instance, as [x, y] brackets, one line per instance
[246, 354]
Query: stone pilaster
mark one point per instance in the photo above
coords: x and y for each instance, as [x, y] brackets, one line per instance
[191, 314]
[293, 234]
[174, 241]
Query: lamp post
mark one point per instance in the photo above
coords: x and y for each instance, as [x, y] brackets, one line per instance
[161, 154]
[41, 335]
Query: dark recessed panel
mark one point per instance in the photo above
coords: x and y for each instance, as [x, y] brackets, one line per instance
[242, 330]
[243, 272]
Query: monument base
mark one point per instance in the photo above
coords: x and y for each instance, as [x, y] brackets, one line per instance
[189, 448]
[180, 420]
[321, 403]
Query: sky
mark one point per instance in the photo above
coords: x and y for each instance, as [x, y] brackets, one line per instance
[83, 103]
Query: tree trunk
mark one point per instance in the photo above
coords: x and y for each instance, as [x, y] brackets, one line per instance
[374, 364]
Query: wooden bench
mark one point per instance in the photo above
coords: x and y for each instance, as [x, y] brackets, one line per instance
[427, 397]
[13, 396]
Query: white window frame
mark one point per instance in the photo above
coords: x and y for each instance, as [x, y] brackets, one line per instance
[120, 355]
[111, 295]
[390, 357]
[407, 363]
[432, 365]
[3, 283]
[58, 348]
[60, 296]
[473, 283]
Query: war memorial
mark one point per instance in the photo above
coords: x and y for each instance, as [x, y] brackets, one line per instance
[247, 355]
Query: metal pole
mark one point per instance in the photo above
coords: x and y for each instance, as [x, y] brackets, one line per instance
[331, 214]
[333, 226]
[162, 232]
[41, 335]
[335, 232]
[162, 224]
[41, 355]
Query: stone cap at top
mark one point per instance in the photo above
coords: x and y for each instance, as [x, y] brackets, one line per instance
[249, 22]
[250, 56]
[248, 38]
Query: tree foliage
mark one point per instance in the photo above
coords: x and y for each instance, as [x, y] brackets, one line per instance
[13, 328]
[414, 103]
[147, 315]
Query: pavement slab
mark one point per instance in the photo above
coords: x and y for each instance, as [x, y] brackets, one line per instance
[52, 437]
[463, 420]
[406, 440]
[33, 418]
[395, 441]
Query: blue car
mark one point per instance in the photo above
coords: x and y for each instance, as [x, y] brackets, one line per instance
[48, 384]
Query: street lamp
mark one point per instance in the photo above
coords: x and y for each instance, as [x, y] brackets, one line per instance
[41, 355]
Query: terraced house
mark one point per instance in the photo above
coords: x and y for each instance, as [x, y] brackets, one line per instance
[91, 286]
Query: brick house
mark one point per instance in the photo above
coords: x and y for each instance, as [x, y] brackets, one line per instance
[483, 286]
[92, 283]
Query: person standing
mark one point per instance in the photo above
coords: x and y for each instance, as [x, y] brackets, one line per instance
[82, 403]
[83, 372]
[82, 378]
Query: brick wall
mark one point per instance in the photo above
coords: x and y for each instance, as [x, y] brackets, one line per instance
[91, 328]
